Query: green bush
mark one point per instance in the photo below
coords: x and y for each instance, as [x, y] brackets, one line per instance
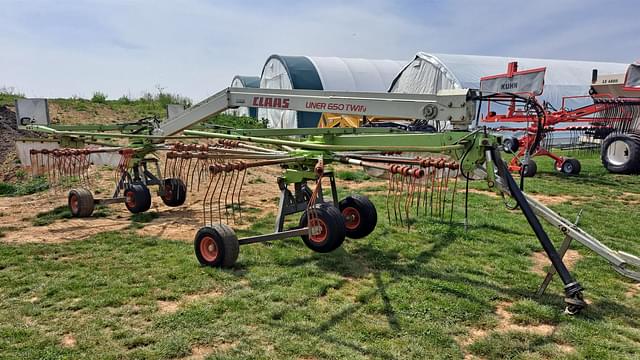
[27, 187]
[99, 97]
[238, 122]
[124, 99]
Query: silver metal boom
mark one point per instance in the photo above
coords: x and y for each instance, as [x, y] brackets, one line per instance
[454, 106]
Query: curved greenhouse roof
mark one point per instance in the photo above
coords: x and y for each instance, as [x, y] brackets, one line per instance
[322, 73]
[428, 73]
[242, 81]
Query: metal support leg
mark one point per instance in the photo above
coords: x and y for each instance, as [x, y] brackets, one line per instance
[334, 190]
[572, 288]
[564, 247]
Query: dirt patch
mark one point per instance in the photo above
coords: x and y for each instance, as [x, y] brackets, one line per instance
[506, 324]
[170, 307]
[200, 352]
[540, 261]
[567, 349]
[634, 290]
[103, 114]
[555, 199]
[68, 341]
[259, 198]
[628, 198]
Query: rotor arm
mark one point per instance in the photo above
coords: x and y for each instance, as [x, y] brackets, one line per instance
[456, 106]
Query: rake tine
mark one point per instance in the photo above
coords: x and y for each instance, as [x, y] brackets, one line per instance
[446, 191]
[235, 175]
[244, 173]
[389, 194]
[453, 197]
[224, 179]
[433, 186]
[396, 186]
[197, 166]
[226, 194]
[399, 198]
[409, 200]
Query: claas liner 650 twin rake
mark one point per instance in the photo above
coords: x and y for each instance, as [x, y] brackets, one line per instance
[422, 169]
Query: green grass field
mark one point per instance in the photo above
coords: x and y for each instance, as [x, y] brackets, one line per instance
[422, 294]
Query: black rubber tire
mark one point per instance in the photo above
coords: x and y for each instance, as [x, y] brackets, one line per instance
[632, 163]
[80, 202]
[570, 167]
[511, 145]
[332, 223]
[529, 168]
[175, 192]
[360, 216]
[137, 198]
[223, 239]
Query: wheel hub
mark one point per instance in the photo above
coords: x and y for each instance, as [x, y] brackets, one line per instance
[351, 217]
[618, 153]
[74, 203]
[208, 249]
[318, 230]
[130, 199]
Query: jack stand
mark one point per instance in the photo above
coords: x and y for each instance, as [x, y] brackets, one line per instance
[298, 202]
[562, 251]
[573, 289]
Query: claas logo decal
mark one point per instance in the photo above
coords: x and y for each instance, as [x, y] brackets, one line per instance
[261, 101]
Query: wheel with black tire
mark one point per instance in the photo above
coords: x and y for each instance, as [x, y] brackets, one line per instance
[511, 145]
[570, 167]
[327, 229]
[360, 216]
[216, 246]
[174, 192]
[137, 198]
[620, 153]
[81, 202]
[529, 168]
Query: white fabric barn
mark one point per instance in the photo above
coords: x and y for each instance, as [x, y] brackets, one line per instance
[428, 73]
[322, 73]
[242, 81]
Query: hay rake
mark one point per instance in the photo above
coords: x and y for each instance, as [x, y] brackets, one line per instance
[422, 170]
[603, 121]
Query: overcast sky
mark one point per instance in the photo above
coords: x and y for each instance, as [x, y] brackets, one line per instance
[194, 47]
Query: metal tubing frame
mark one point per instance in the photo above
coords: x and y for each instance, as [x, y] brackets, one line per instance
[572, 288]
[617, 259]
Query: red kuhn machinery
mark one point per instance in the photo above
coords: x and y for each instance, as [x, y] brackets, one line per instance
[611, 119]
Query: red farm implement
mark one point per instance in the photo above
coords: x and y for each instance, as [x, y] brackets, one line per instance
[586, 126]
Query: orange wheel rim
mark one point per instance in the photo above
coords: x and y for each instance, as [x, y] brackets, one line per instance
[168, 192]
[319, 230]
[130, 199]
[208, 249]
[73, 203]
[351, 217]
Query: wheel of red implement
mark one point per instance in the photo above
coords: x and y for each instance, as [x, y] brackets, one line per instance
[570, 167]
[511, 145]
[216, 246]
[327, 228]
[620, 153]
[175, 192]
[137, 198]
[529, 168]
[81, 202]
[360, 216]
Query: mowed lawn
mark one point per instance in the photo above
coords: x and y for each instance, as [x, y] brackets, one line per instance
[436, 291]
